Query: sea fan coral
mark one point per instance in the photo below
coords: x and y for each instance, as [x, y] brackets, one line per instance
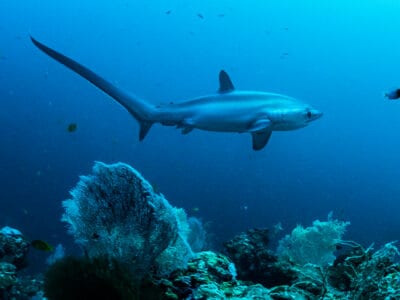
[115, 213]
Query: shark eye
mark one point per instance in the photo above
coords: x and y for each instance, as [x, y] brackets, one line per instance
[309, 114]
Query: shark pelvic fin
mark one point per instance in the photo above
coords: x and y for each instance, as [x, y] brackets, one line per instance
[186, 125]
[260, 138]
[144, 129]
[225, 83]
[186, 130]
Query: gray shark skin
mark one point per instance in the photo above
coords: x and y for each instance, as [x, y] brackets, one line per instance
[229, 110]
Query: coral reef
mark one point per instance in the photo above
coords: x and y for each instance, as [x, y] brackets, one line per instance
[115, 213]
[209, 276]
[137, 246]
[254, 261]
[8, 275]
[364, 274]
[26, 287]
[13, 247]
[356, 273]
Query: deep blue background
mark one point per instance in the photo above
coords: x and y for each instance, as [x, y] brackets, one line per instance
[338, 56]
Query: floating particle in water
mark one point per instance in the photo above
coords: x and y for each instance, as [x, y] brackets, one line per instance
[2, 56]
[284, 55]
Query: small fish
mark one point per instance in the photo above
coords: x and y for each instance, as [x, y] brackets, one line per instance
[42, 245]
[200, 16]
[195, 209]
[168, 12]
[393, 95]
[72, 127]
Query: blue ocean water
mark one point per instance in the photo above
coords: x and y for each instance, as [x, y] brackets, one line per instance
[339, 56]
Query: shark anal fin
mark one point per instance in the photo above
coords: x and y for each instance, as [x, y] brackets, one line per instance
[144, 129]
[260, 139]
[225, 83]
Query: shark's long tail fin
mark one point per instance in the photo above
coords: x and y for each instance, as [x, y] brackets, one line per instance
[142, 111]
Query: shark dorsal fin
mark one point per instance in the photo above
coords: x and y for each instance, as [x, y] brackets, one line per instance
[225, 83]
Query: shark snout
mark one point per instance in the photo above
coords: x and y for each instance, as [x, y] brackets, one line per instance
[318, 114]
[314, 114]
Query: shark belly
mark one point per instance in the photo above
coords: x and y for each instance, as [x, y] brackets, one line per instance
[221, 123]
[286, 127]
[220, 117]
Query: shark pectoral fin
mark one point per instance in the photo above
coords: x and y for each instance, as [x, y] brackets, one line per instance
[260, 125]
[260, 132]
[225, 83]
[260, 138]
[144, 129]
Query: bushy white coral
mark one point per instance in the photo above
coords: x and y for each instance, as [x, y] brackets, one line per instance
[314, 245]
